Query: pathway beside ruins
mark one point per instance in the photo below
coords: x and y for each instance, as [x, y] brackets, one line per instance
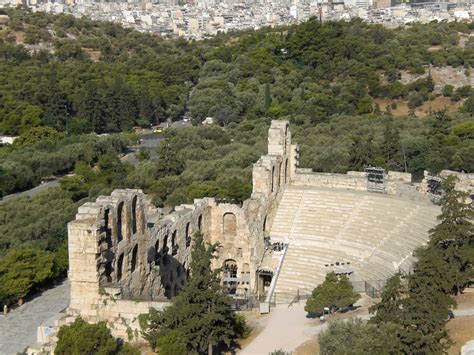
[287, 328]
[18, 328]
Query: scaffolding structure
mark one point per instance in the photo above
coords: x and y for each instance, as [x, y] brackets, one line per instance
[375, 179]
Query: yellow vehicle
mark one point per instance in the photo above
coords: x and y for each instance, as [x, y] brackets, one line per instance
[159, 130]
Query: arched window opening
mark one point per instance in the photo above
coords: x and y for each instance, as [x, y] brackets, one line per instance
[108, 231]
[174, 244]
[108, 271]
[286, 171]
[165, 245]
[229, 222]
[279, 174]
[134, 258]
[150, 255]
[188, 237]
[157, 253]
[273, 178]
[120, 222]
[119, 267]
[134, 215]
[200, 222]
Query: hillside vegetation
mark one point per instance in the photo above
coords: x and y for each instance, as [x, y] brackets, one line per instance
[64, 78]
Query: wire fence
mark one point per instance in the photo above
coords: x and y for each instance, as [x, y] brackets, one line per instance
[371, 288]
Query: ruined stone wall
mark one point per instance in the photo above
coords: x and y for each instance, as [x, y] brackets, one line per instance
[464, 183]
[305, 177]
[121, 250]
[353, 180]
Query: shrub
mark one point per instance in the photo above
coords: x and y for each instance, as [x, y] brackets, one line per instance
[83, 338]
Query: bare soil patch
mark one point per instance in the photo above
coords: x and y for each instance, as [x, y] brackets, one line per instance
[311, 347]
[461, 330]
[438, 103]
[466, 299]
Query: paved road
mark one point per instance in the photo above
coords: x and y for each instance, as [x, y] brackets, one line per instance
[18, 328]
[32, 192]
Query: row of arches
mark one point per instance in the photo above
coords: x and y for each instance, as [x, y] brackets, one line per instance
[121, 226]
[119, 267]
[163, 252]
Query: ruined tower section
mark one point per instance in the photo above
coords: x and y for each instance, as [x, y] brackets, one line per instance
[106, 247]
[272, 171]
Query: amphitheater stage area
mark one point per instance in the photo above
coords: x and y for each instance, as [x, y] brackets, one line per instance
[368, 236]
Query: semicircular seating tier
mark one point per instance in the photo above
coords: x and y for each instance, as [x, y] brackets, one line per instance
[371, 235]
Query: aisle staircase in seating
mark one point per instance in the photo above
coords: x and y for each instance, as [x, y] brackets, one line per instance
[372, 234]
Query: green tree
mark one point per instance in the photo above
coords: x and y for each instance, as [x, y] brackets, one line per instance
[38, 134]
[468, 105]
[365, 105]
[335, 292]
[389, 309]
[453, 237]
[83, 338]
[56, 106]
[362, 152]
[91, 108]
[200, 315]
[21, 270]
[448, 90]
[353, 336]
[391, 145]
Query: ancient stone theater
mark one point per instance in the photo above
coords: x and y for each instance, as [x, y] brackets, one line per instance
[126, 256]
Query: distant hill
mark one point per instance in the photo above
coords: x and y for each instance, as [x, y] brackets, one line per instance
[106, 78]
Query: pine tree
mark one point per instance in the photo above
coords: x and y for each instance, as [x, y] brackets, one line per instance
[362, 152]
[452, 239]
[390, 307]
[391, 146]
[56, 106]
[200, 315]
[91, 107]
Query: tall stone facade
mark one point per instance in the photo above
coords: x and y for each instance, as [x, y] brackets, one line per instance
[125, 256]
